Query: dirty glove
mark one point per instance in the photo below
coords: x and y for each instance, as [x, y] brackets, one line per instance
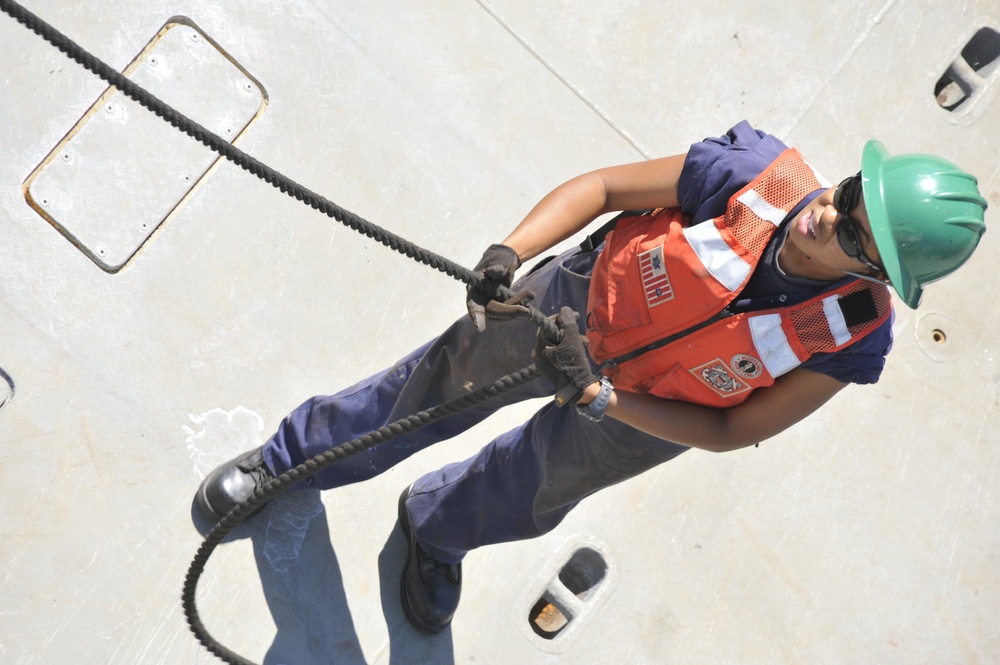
[495, 269]
[565, 363]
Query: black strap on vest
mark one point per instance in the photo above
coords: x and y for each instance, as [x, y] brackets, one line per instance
[670, 339]
[594, 240]
[858, 308]
[571, 391]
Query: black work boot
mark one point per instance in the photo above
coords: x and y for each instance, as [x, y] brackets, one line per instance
[429, 589]
[232, 483]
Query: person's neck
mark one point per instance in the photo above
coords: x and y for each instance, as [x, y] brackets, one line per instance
[792, 262]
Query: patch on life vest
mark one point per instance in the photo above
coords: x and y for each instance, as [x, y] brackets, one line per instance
[718, 376]
[746, 366]
[655, 281]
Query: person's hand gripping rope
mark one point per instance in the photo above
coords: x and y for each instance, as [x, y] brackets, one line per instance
[496, 269]
[566, 362]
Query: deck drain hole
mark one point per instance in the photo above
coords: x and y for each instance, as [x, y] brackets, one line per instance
[546, 619]
[565, 599]
[583, 573]
[939, 336]
[969, 74]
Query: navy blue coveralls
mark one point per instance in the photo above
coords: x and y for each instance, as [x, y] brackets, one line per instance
[525, 481]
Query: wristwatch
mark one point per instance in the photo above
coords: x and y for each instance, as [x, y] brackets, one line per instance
[595, 410]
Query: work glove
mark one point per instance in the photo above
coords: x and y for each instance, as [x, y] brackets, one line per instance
[496, 269]
[566, 362]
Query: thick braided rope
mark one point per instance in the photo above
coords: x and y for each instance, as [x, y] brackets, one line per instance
[224, 148]
[309, 468]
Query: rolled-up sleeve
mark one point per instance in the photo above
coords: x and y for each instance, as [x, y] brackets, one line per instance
[718, 167]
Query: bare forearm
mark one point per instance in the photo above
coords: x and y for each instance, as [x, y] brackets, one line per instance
[688, 424]
[561, 213]
[573, 205]
[766, 413]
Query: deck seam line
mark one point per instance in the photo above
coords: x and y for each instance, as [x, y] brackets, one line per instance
[618, 129]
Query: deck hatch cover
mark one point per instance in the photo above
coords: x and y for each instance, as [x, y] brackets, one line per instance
[122, 171]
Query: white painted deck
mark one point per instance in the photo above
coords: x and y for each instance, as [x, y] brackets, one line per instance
[868, 534]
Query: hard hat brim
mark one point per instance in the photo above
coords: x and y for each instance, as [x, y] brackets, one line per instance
[873, 159]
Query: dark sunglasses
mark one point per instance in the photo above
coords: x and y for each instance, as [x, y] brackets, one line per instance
[847, 229]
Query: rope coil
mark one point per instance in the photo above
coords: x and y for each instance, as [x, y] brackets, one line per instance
[353, 221]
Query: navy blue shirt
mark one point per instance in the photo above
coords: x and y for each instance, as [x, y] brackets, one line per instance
[717, 168]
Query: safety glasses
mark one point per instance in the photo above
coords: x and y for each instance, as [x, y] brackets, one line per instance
[847, 229]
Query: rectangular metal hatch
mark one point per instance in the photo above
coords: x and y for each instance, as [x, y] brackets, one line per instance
[122, 171]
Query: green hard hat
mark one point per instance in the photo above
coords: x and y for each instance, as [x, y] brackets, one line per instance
[926, 216]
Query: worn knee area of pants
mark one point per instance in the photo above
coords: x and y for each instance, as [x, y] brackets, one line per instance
[459, 361]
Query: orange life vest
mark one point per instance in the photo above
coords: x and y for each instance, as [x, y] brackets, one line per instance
[658, 319]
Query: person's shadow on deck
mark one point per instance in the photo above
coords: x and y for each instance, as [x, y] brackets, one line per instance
[304, 588]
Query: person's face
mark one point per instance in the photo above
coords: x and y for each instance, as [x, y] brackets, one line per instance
[832, 235]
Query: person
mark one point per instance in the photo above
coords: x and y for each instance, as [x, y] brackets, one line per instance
[737, 295]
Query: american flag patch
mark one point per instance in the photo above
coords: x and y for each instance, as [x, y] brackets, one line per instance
[655, 280]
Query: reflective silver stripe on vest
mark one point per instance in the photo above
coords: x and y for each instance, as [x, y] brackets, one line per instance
[835, 319]
[772, 344]
[761, 208]
[716, 255]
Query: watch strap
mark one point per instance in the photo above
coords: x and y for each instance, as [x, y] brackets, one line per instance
[595, 410]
